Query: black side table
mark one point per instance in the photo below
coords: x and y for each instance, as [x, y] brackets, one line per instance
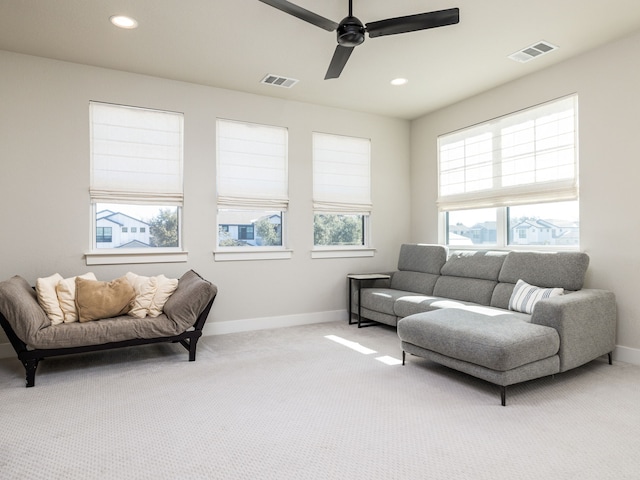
[359, 278]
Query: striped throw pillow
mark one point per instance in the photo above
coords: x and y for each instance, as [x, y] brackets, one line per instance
[525, 296]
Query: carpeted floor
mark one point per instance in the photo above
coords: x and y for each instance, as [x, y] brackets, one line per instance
[323, 401]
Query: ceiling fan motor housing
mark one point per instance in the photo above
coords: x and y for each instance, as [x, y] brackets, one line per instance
[350, 32]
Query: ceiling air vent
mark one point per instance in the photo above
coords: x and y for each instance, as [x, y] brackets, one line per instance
[533, 51]
[279, 81]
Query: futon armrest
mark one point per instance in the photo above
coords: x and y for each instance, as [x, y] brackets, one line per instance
[189, 300]
[585, 321]
[20, 307]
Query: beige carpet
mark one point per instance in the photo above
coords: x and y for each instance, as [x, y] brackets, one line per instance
[293, 404]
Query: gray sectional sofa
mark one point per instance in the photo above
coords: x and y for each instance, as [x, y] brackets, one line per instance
[456, 309]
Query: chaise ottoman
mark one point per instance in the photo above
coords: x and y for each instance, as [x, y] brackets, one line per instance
[490, 344]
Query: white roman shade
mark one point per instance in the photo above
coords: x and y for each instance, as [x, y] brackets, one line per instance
[252, 166]
[523, 158]
[136, 155]
[341, 174]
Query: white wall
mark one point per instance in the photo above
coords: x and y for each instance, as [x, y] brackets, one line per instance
[45, 214]
[607, 81]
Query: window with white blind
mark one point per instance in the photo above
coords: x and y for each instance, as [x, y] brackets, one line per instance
[341, 191]
[252, 186]
[136, 186]
[506, 181]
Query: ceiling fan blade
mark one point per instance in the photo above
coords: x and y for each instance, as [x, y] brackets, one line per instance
[338, 61]
[303, 14]
[412, 23]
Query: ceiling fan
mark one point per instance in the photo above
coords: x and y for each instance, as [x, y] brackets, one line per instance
[351, 31]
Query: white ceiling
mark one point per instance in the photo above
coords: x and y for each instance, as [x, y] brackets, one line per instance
[235, 43]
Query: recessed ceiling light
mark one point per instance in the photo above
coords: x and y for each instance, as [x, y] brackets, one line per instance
[399, 81]
[123, 21]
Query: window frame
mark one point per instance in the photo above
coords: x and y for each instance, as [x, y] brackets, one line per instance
[240, 253]
[362, 207]
[494, 197]
[116, 256]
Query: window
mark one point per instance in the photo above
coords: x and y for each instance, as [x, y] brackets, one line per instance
[253, 192]
[512, 180]
[136, 178]
[341, 190]
[103, 234]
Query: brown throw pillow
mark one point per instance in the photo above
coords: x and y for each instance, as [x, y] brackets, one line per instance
[96, 300]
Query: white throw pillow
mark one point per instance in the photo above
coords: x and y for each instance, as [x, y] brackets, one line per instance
[47, 298]
[145, 288]
[151, 294]
[66, 291]
[166, 286]
[525, 296]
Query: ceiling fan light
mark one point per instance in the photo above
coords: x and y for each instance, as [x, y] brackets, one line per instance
[123, 21]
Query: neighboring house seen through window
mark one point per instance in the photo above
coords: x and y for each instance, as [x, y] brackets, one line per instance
[136, 177]
[513, 180]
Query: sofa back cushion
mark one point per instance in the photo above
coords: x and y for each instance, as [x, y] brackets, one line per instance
[422, 258]
[418, 267]
[548, 270]
[414, 282]
[564, 270]
[483, 264]
[470, 276]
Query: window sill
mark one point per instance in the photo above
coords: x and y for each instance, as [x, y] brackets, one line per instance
[243, 255]
[135, 256]
[341, 252]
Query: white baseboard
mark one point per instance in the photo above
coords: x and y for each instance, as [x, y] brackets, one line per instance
[263, 323]
[627, 355]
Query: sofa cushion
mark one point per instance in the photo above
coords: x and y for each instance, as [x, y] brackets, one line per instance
[414, 282]
[97, 300]
[525, 296]
[382, 299]
[422, 258]
[548, 270]
[406, 306]
[500, 342]
[466, 289]
[482, 264]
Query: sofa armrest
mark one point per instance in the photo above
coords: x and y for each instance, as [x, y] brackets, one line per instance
[19, 306]
[585, 321]
[190, 300]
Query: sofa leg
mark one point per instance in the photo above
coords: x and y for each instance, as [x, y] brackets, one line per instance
[503, 395]
[610, 354]
[30, 367]
[404, 354]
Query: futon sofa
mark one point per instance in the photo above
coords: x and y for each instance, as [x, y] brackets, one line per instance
[34, 337]
[505, 317]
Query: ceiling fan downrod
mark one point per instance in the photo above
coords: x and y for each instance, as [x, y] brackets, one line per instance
[351, 31]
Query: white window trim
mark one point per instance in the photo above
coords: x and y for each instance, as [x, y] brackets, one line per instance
[244, 255]
[356, 251]
[135, 256]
